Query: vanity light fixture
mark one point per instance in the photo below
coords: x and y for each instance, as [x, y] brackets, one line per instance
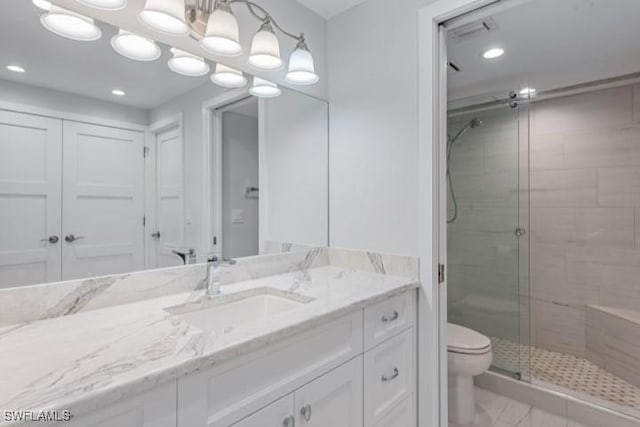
[135, 47]
[118, 92]
[15, 68]
[42, 4]
[105, 4]
[228, 77]
[527, 91]
[222, 35]
[301, 68]
[165, 16]
[187, 64]
[264, 89]
[493, 53]
[70, 24]
[265, 48]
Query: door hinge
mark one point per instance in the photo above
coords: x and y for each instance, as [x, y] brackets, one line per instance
[215, 240]
[441, 275]
[144, 221]
[145, 151]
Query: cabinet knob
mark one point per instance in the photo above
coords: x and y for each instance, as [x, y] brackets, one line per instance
[305, 411]
[290, 421]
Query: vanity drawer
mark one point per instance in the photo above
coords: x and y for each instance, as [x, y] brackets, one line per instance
[224, 394]
[387, 318]
[388, 376]
[402, 415]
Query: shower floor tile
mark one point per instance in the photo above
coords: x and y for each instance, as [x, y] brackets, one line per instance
[567, 373]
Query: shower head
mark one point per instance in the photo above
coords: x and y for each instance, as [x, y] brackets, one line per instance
[473, 123]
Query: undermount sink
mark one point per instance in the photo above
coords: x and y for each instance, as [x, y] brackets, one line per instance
[222, 314]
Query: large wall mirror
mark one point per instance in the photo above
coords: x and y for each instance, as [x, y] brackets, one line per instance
[110, 165]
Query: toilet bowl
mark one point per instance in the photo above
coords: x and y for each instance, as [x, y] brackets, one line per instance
[468, 354]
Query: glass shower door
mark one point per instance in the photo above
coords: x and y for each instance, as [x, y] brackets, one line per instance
[487, 236]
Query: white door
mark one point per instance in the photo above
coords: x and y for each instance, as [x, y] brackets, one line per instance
[169, 233]
[103, 199]
[277, 414]
[30, 193]
[334, 399]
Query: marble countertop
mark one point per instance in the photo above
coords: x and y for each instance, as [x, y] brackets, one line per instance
[91, 359]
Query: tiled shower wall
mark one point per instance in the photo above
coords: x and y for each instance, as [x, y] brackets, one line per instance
[585, 212]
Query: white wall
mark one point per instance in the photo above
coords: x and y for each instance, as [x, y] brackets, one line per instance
[294, 169]
[18, 93]
[239, 171]
[373, 94]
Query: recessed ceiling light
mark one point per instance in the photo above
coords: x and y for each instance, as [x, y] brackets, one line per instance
[118, 92]
[493, 53]
[527, 91]
[15, 68]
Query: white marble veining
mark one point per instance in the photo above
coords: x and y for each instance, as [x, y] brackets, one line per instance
[93, 358]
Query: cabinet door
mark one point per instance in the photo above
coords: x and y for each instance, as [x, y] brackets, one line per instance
[334, 399]
[278, 414]
[103, 200]
[30, 199]
[156, 408]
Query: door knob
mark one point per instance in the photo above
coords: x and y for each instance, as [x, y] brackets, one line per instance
[70, 238]
[305, 411]
[51, 239]
[289, 422]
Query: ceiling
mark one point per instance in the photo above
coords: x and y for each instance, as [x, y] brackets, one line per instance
[330, 8]
[548, 44]
[90, 69]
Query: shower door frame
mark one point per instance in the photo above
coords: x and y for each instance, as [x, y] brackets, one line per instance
[432, 136]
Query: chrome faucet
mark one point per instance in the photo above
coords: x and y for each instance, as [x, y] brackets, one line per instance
[212, 280]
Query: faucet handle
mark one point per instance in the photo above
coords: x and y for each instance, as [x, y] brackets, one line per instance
[215, 259]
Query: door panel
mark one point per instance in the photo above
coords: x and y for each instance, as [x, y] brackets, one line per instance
[103, 200]
[334, 399]
[170, 196]
[30, 198]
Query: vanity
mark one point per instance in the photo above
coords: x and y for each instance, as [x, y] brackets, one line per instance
[330, 344]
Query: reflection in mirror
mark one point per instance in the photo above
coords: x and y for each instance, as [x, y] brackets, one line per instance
[110, 165]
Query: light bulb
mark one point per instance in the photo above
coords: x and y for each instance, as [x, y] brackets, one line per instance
[301, 67]
[136, 47]
[265, 49]
[228, 77]
[493, 53]
[105, 4]
[223, 35]
[69, 24]
[118, 92]
[264, 89]
[165, 16]
[187, 64]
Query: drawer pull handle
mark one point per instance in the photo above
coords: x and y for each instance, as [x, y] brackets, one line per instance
[305, 411]
[386, 379]
[391, 318]
[290, 421]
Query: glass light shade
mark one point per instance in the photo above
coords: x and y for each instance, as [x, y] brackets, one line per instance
[136, 47]
[69, 24]
[301, 68]
[165, 16]
[187, 64]
[228, 77]
[264, 89]
[106, 4]
[265, 49]
[223, 35]
[42, 4]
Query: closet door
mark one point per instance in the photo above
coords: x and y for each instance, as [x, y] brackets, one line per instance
[30, 192]
[103, 200]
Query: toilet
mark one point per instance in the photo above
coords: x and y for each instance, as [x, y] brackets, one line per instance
[469, 354]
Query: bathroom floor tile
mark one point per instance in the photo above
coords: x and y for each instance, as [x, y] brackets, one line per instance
[567, 373]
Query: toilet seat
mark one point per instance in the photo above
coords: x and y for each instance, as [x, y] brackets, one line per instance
[466, 341]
